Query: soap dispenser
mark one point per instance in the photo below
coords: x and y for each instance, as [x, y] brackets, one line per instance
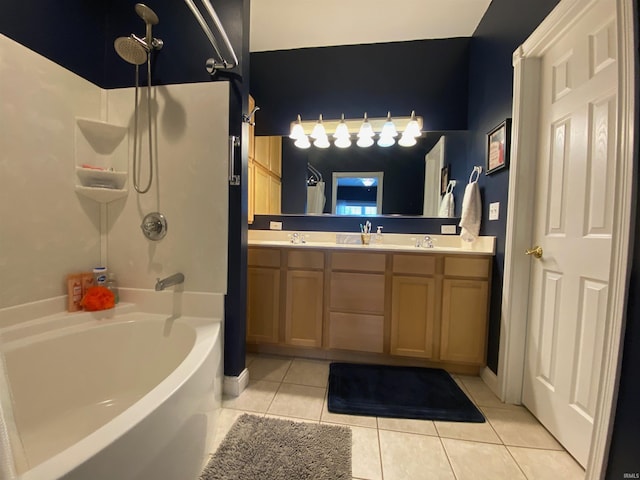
[378, 238]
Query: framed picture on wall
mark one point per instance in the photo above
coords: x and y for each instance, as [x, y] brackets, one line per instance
[498, 146]
[444, 179]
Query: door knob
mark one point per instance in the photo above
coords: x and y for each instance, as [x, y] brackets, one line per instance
[535, 251]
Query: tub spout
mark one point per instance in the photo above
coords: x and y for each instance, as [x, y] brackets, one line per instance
[174, 279]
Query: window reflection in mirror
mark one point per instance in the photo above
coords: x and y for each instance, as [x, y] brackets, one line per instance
[357, 193]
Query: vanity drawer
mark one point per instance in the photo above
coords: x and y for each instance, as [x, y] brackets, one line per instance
[414, 264]
[467, 267]
[263, 257]
[307, 260]
[357, 292]
[363, 333]
[361, 262]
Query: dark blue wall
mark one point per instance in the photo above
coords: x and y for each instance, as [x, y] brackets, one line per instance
[428, 76]
[60, 31]
[391, 224]
[506, 24]
[79, 35]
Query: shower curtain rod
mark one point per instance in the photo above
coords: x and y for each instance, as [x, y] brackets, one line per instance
[212, 64]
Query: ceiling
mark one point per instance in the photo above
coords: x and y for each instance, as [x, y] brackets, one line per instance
[288, 24]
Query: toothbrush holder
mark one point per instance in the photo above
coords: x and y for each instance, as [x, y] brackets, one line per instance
[366, 238]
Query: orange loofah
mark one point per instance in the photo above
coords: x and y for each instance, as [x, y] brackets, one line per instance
[98, 298]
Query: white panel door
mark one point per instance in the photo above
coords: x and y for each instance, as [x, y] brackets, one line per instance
[433, 163]
[573, 213]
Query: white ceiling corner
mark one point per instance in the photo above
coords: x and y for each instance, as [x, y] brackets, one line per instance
[289, 24]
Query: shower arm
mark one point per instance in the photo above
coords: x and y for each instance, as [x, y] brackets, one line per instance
[223, 63]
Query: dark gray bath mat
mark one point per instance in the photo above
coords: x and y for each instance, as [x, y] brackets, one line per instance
[258, 448]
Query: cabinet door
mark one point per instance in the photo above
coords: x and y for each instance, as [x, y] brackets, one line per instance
[261, 191]
[275, 155]
[262, 150]
[412, 316]
[251, 185]
[356, 331]
[263, 304]
[274, 195]
[303, 318]
[464, 321]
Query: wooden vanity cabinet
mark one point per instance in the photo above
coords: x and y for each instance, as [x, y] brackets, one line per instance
[414, 305]
[263, 295]
[304, 298]
[465, 305]
[356, 304]
[430, 308]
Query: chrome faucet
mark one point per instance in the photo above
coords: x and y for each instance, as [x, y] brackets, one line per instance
[426, 242]
[174, 279]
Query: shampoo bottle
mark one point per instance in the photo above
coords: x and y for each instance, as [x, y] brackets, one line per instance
[100, 276]
[74, 292]
[113, 286]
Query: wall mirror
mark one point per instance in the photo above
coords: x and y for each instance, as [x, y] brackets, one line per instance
[409, 182]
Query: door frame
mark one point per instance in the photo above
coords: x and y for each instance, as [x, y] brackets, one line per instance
[526, 88]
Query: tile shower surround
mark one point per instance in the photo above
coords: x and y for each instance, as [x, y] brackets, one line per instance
[48, 230]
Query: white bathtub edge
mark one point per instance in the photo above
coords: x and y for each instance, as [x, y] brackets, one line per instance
[176, 302]
[64, 463]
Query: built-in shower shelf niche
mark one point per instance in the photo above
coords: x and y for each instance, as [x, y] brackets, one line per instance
[101, 195]
[101, 158]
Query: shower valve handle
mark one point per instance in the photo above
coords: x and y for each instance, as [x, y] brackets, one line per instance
[154, 226]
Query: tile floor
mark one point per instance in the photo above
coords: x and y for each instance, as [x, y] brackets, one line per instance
[510, 445]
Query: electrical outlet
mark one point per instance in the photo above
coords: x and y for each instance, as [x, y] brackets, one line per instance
[494, 211]
[275, 225]
[448, 229]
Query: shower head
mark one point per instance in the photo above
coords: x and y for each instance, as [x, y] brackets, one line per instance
[146, 14]
[131, 49]
[150, 18]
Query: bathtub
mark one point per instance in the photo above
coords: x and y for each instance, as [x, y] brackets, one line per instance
[129, 397]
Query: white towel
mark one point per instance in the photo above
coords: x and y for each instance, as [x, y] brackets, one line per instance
[471, 212]
[315, 198]
[447, 206]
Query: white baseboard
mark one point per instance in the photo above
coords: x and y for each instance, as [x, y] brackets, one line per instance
[234, 386]
[491, 380]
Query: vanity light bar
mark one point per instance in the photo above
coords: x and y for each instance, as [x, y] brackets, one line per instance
[301, 129]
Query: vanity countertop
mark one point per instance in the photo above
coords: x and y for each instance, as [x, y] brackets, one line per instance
[391, 242]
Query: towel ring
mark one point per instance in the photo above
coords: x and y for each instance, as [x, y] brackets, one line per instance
[452, 183]
[477, 170]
